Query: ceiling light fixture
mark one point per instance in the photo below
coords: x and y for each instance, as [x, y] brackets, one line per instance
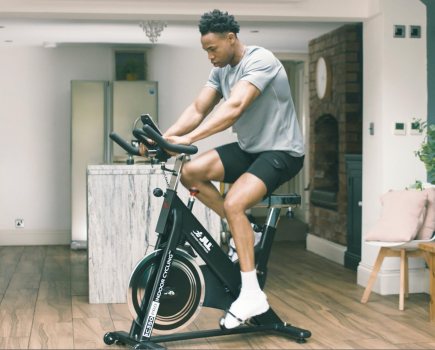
[49, 45]
[153, 29]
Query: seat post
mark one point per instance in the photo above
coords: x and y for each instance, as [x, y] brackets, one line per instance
[273, 216]
[266, 242]
[274, 203]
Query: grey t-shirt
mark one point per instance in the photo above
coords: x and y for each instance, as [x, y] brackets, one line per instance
[270, 122]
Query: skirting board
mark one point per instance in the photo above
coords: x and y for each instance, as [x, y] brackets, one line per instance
[388, 281]
[34, 237]
[79, 245]
[327, 249]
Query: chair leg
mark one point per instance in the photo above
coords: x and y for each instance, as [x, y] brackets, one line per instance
[431, 263]
[372, 279]
[404, 255]
[406, 274]
[404, 269]
[403, 290]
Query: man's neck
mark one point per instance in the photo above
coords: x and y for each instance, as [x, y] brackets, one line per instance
[238, 54]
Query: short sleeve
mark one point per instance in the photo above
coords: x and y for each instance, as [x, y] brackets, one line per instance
[214, 80]
[260, 69]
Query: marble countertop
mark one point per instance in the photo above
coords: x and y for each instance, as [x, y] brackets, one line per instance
[123, 169]
[122, 216]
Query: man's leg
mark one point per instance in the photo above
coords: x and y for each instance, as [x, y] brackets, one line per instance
[199, 173]
[247, 191]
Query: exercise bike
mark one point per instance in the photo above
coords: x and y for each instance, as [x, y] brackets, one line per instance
[168, 287]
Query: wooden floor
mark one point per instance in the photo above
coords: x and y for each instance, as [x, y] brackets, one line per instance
[44, 304]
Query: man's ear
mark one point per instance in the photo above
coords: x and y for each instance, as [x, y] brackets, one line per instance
[232, 37]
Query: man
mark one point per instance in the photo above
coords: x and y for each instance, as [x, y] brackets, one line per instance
[259, 107]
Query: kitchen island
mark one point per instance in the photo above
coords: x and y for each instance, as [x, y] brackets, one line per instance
[122, 216]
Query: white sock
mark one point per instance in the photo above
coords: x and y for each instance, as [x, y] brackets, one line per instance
[249, 281]
[251, 301]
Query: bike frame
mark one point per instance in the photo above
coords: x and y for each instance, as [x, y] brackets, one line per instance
[177, 225]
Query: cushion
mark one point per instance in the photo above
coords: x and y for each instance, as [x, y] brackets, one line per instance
[401, 216]
[428, 227]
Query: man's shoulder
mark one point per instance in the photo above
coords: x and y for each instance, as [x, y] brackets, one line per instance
[259, 52]
[251, 49]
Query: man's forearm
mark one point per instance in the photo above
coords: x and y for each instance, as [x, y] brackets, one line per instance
[187, 122]
[242, 95]
[224, 117]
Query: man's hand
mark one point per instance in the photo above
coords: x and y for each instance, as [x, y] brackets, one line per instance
[142, 149]
[177, 140]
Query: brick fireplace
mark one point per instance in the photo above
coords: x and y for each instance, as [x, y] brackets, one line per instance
[335, 129]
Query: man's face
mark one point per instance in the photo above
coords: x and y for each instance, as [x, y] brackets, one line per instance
[219, 47]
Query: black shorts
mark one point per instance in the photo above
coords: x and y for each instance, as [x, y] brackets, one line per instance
[272, 167]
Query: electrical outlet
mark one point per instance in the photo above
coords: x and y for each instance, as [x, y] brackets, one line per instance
[415, 32]
[19, 223]
[399, 128]
[399, 31]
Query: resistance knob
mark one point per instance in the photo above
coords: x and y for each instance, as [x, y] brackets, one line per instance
[157, 192]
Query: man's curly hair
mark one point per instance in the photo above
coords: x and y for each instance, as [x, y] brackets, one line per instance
[217, 21]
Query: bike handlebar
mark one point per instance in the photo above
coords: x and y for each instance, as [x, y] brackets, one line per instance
[124, 144]
[159, 148]
[153, 135]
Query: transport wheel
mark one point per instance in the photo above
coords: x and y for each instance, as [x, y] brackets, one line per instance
[180, 299]
[109, 339]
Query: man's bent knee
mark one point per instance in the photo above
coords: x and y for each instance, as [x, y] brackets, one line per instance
[206, 167]
[187, 175]
[233, 206]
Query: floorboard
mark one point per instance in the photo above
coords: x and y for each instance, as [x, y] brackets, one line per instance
[44, 305]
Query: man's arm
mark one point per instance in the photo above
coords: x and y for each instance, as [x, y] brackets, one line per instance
[242, 96]
[195, 113]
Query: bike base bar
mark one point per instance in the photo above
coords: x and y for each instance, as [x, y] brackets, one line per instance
[298, 334]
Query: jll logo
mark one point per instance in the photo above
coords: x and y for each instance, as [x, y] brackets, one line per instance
[202, 239]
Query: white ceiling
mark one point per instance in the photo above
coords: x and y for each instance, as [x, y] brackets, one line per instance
[277, 36]
[280, 25]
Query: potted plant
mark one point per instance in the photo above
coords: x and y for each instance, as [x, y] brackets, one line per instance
[131, 70]
[426, 152]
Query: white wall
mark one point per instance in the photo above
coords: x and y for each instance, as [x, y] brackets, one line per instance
[395, 90]
[35, 137]
[35, 127]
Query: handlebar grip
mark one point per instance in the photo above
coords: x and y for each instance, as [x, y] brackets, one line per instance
[142, 137]
[153, 135]
[124, 144]
[160, 154]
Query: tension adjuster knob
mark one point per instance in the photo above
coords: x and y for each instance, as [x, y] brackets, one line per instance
[193, 191]
[157, 192]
